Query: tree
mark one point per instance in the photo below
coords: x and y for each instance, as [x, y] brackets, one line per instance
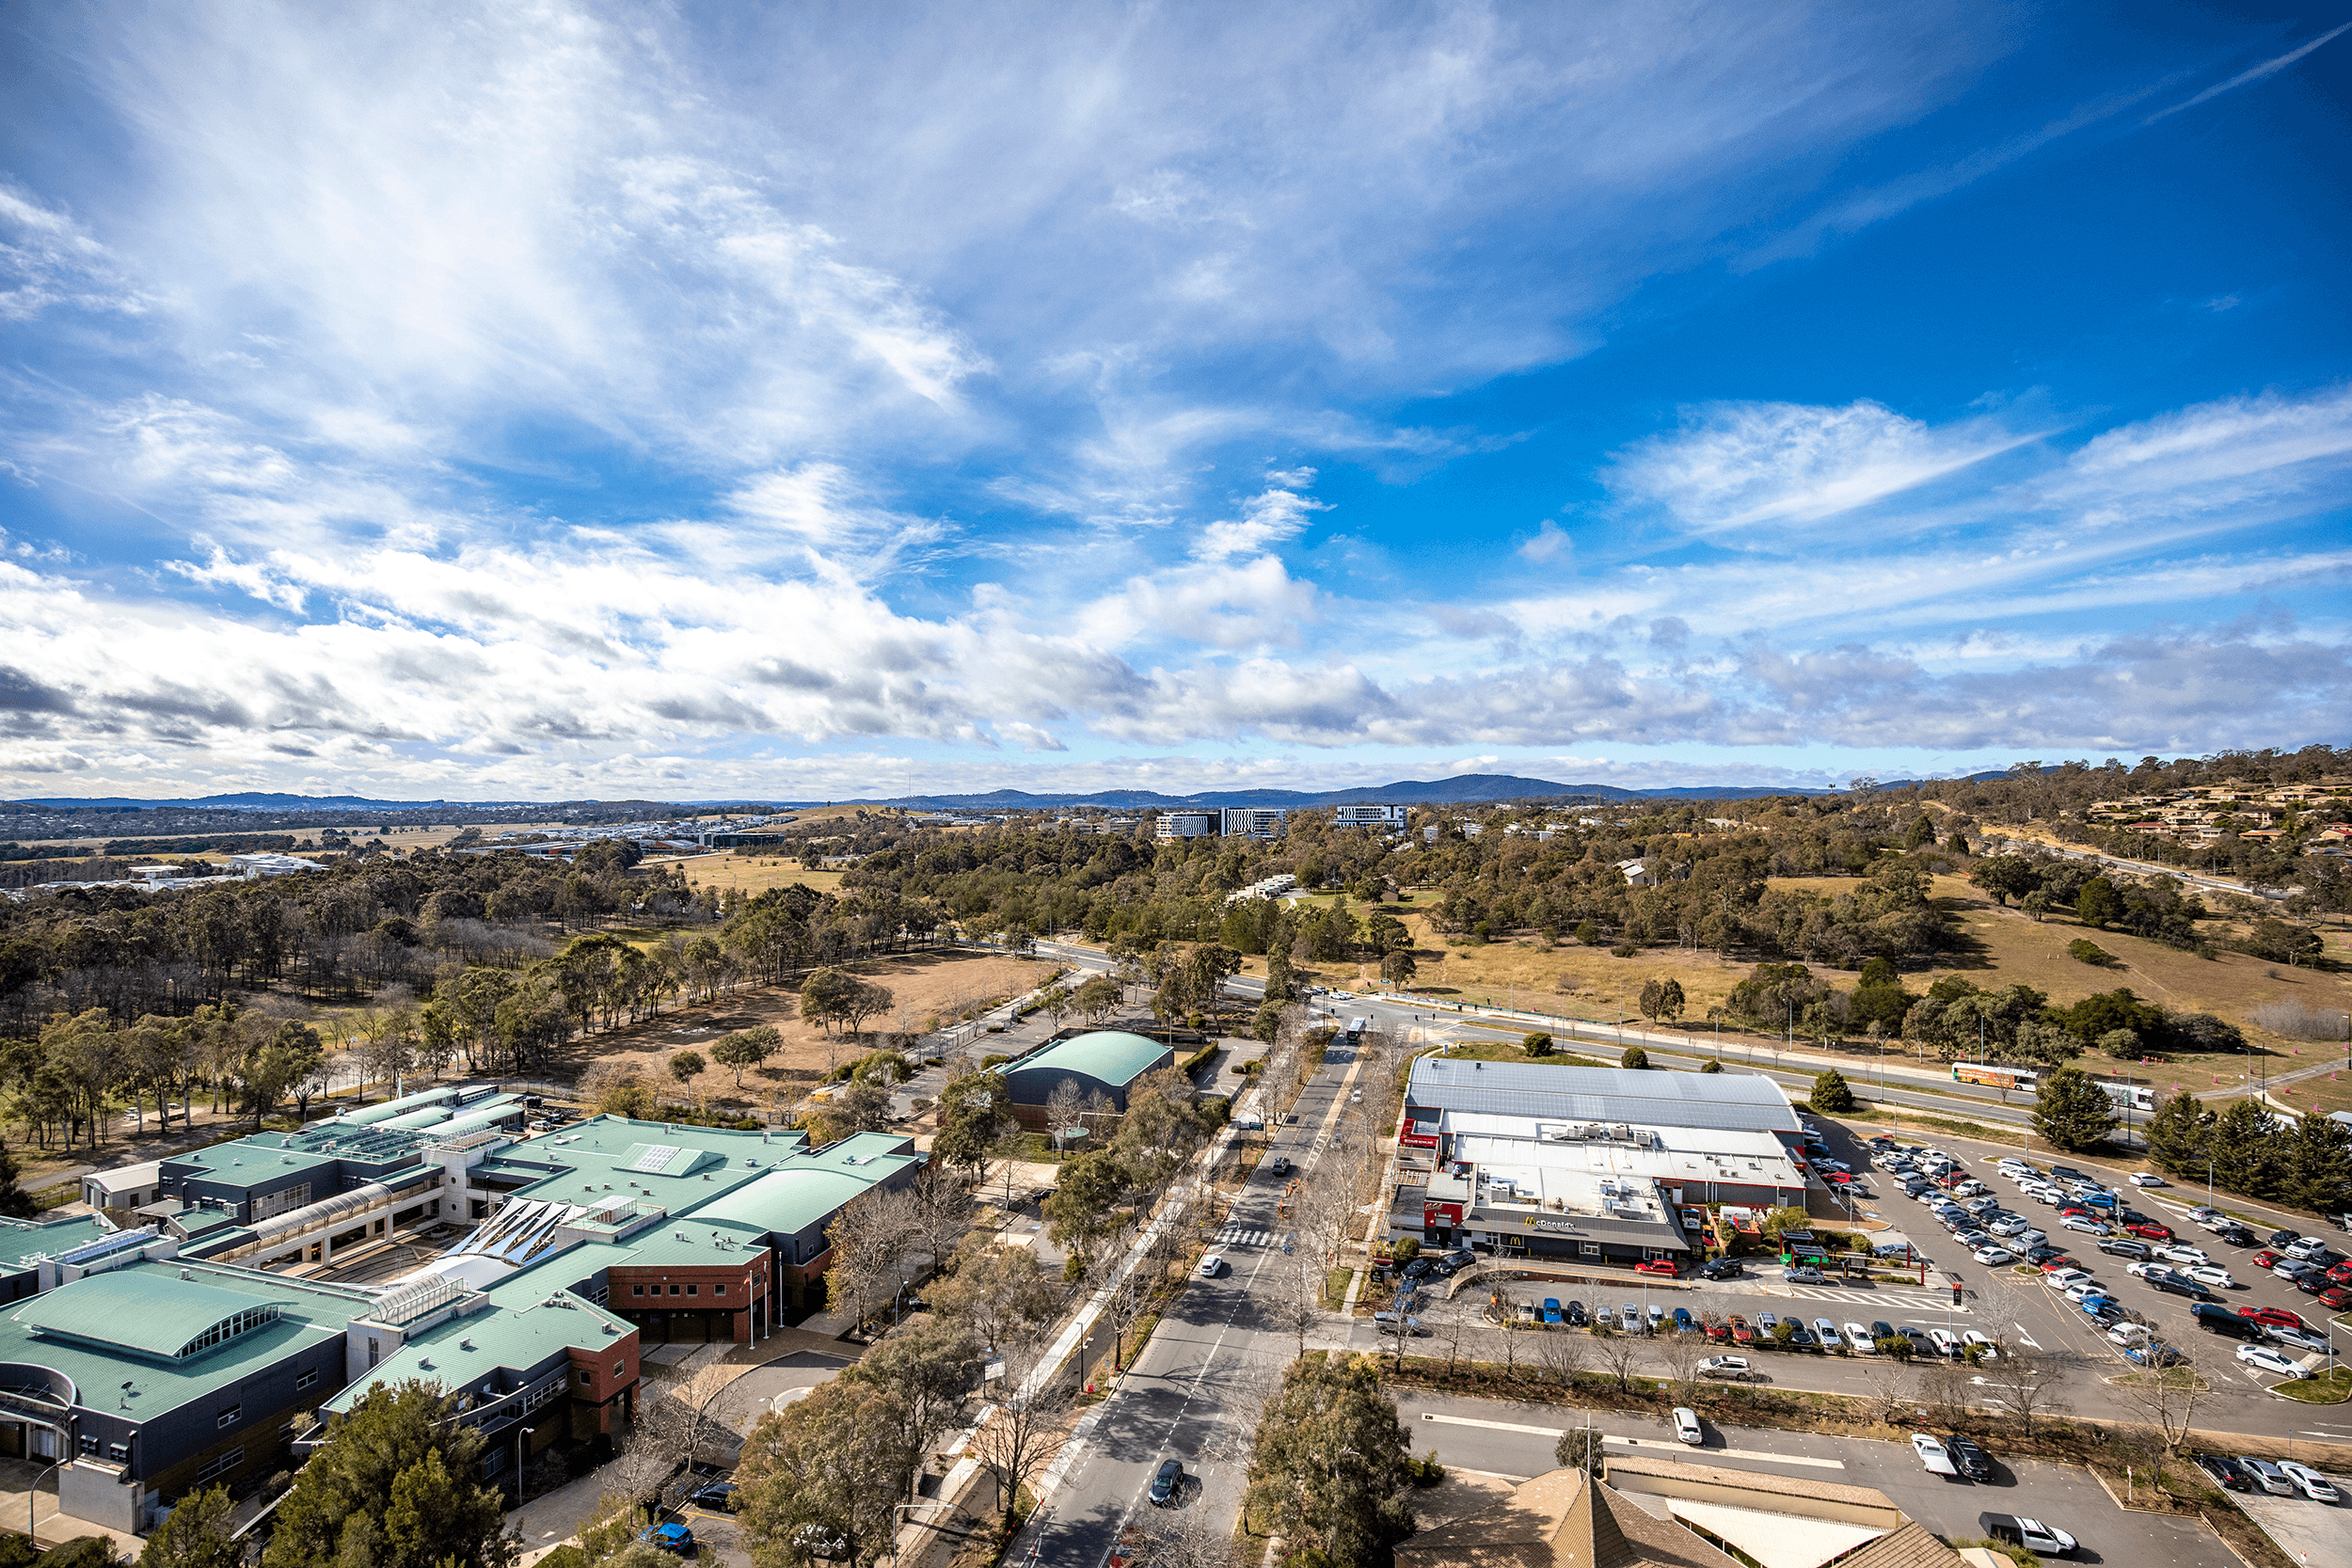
[1266, 1023]
[1635, 1059]
[1399, 966]
[747, 1047]
[2006, 877]
[2073, 1112]
[1652, 999]
[1670, 999]
[1023, 1433]
[865, 1240]
[1581, 1449]
[931, 1365]
[685, 1065]
[1095, 997]
[1711, 1065]
[1831, 1095]
[825, 995]
[270, 1071]
[2317, 1168]
[393, 1485]
[196, 1534]
[974, 1113]
[1329, 1470]
[2167, 1398]
[2243, 1144]
[834, 1464]
[2030, 1381]
[1536, 1045]
[2177, 1133]
[2098, 903]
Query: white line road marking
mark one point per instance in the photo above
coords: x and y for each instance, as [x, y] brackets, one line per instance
[2027, 1338]
[1634, 1442]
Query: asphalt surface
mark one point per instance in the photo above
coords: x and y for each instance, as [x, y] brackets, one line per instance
[1187, 1395]
[1489, 1435]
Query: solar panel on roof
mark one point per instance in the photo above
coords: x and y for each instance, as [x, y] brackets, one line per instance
[658, 1158]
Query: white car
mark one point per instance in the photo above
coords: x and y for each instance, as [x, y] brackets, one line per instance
[2065, 1279]
[1945, 1341]
[2031, 1238]
[1212, 1264]
[1981, 1342]
[2182, 1255]
[2009, 1224]
[1934, 1454]
[1723, 1366]
[2305, 1248]
[2262, 1358]
[2140, 1267]
[1991, 1256]
[2148, 1178]
[2213, 1276]
[2085, 1287]
[2312, 1483]
[1686, 1425]
[1858, 1340]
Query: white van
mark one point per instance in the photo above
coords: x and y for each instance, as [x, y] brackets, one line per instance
[1686, 1425]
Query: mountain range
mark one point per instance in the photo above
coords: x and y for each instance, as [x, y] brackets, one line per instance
[1462, 789]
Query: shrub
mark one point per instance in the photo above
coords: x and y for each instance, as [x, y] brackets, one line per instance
[1404, 1248]
[2084, 951]
[1832, 1094]
[2300, 1022]
[1634, 1057]
[997, 1060]
[1536, 1045]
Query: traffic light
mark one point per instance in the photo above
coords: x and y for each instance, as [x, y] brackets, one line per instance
[1955, 1295]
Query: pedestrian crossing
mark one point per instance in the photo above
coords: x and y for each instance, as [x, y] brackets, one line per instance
[1242, 1235]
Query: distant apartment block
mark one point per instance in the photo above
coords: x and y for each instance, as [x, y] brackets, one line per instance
[1255, 822]
[1174, 825]
[1383, 817]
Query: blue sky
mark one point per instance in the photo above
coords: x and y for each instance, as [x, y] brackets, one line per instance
[554, 400]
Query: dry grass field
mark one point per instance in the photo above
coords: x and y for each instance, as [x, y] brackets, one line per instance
[752, 874]
[2000, 947]
[925, 986]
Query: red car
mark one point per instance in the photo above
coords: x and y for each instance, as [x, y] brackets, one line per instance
[1740, 1331]
[2266, 1260]
[1659, 1265]
[2055, 1264]
[1719, 1331]
[2342, 1273]
[1837, 1179]
[2336, 1299]
[2277, 1315]
[2149, 1230]
[2075, 1212]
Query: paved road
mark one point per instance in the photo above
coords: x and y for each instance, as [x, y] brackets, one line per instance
[1481, 1434]
[1189, 1393]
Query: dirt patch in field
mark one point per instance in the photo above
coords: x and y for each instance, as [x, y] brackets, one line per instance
[924, 987]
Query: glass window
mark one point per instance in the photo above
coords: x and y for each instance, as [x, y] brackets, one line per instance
[694, 1290]
[307, 1378]
[619, 1368]
[230, 1416]
[636, 1289]
[718, 1290]
[1591, 1249]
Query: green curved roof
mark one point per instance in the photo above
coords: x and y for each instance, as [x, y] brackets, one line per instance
[1107, 1055]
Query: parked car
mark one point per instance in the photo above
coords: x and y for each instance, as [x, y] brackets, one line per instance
[1972, 1461]
[1722, 1268]
[2308, 1480]
[2337, 1298]
[1803, 1274]
[2149, 1230]
[2225, 1473]
[1684, 1322]
[2267, 1258]
[2182, 1255]
[2180, 1285]
[1933, 1455]
[717, 1496]
[673, 1538]
[2267, 1476]
[2124, 1246]
[1858, 1340]
[1659, 1265]
[1826, 1331]
[2263, 1359]
[2281, 1237]
[1731, 1369]
[2299, 1339]
[1167, 1483]
[1576, 1315]
[2213, 1276]
[1550, 1313]
[1687, 1428]
[1407, 1326]
[1981, 1343]
[1945, 1341]
[1993, 1255]
[2032, 1534]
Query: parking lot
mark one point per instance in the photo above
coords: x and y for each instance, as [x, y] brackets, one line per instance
[1516, 1440]
[2305, 1530]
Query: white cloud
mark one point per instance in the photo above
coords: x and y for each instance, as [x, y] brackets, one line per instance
[1274, 515]
[2255, 74]
[1550, 541]
[1768, 468]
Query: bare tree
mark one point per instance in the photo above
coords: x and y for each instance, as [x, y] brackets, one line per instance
[866, 1238]
[1019, 1438]
[678, 1421]
[2167, 1397]
[1563, 1352]
[1681, 1354]
[1944, 1390]
[2030, 1381]
[1186, 1538]
[1618, 1355]
[939, 1212]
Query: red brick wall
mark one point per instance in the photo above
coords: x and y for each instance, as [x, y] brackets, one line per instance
[735, 1288]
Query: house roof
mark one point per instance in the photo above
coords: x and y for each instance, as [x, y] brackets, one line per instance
[508, 1337]
[1107, 1055]
[22, 1241]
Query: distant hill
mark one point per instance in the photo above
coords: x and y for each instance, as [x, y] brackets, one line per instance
[1462, 789]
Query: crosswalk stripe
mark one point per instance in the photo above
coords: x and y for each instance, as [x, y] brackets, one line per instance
[1233, 1235]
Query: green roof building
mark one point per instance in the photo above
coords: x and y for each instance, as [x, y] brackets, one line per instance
[1101, 1063]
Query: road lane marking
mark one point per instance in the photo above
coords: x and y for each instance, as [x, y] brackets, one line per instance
[1634, 1442]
